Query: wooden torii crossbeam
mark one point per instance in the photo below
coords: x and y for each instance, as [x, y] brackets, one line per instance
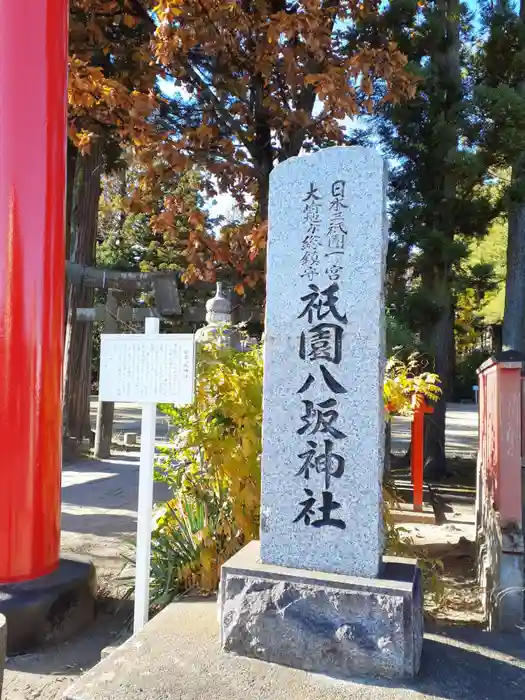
[162, 284]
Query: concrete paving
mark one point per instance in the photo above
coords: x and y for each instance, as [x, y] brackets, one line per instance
[461, 431]
[99, 522]
[47, 673]
[177, 657]
[461, 436]
[99, 511]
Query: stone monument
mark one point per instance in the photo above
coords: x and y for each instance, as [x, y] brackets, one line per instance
[316, 593]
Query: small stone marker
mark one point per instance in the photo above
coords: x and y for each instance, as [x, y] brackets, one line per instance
[324, 356]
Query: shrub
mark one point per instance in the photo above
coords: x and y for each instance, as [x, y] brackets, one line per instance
[215, 461]
[466, 375]
[398, 336]
[403, 380]
[189, 545]
[213, 467]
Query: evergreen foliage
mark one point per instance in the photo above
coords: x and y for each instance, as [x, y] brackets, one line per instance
[438, 199]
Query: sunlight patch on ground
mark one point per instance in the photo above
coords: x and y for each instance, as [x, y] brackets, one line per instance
[72, 509]
[70, 478]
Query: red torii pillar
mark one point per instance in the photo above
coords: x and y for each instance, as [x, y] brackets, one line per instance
[33, 128]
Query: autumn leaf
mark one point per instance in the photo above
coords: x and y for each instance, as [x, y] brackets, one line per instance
[196, 219]
[129, 20]
[255, 84]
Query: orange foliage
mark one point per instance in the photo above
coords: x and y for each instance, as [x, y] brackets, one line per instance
[269, 78]
[256, 82]
[111, 72]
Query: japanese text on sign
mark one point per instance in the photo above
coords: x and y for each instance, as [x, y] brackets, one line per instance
[147, 369]
[321, 346]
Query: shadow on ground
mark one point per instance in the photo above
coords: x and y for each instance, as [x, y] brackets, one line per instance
[46, 673]
[467, 664]
[100, 497]
[178, 656]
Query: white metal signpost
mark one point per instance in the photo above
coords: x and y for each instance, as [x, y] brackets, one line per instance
[146, 369]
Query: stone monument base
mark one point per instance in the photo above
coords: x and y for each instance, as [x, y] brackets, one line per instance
[341, 626]
[50, 609]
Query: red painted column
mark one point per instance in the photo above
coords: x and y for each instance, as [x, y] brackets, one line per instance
[33, 112]
[417, 448]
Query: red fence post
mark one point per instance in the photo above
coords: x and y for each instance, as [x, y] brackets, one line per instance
[33, 128]
[417, 450]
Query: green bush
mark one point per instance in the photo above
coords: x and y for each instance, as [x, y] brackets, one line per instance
[213, 470]
[466, 375]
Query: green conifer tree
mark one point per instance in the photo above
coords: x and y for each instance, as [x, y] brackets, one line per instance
[500, 99]
[437, 203]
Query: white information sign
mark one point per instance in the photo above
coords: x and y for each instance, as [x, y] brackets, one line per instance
[146, 369]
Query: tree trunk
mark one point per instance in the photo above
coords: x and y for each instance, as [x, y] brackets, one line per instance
[72, 154]
[264, 194]
[439, 337]
[440, 342]
[106, 410]
[263, 149]
[514, 314]
[77, 357]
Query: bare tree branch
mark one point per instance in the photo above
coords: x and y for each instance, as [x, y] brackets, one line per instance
[223, 115]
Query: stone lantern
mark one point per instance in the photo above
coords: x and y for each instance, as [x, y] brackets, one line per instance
[219, 329]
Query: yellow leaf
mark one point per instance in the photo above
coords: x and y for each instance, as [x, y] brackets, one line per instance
[246, 447]
[206, 559]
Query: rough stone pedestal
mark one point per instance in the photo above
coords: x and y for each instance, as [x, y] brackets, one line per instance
[337, 625]
[49, 609]
[3, 643]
